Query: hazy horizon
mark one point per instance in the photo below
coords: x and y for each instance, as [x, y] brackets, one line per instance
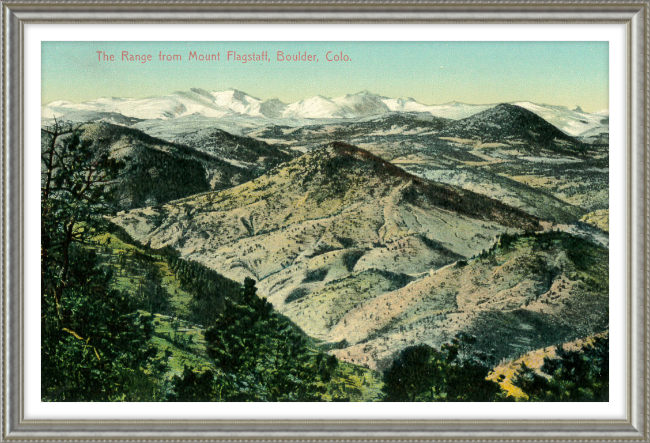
[566, 74]
[327, 97]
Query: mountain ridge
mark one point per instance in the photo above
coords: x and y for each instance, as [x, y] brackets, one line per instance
[511, 123]
[364, 104]
[158, 170]
[345, 244]
[320, 198]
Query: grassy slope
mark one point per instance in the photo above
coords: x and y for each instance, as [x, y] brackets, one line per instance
[181, 341]
[534, 360]
[329, 223]
[599, 219]
[538, 291]
[127, 260]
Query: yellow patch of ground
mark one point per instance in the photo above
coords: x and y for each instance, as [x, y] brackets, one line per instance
[412, 159]
[534, 360]
[599, 219]
[537, 181]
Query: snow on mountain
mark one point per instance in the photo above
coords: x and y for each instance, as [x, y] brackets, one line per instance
[452, 110]
[402, 105]
[166, 107]
[457, 111]
[178, 104]
[574, 122]
[239, 102]
[358, 105]
[314, 107]
[363, 104]
[236, 104]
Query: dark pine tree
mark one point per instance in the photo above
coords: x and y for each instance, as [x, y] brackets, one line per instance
[422, 373]
[94, 343]
[581, 375]
[260, 355]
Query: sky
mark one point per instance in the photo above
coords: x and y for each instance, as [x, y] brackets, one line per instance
[556, 73]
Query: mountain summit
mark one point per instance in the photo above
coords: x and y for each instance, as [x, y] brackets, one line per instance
[356, 252]
[237, 104]
[337, 200]
[511, 123]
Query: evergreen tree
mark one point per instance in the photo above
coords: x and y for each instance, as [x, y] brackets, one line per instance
[581, 375]
[265, 356]
[94, 343]
[193, 386]
[412, 374]
[422, 373]
[209, 288]
[154, 296]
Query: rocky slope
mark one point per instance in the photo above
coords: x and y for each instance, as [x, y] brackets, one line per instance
[328, 231]
[529, 293]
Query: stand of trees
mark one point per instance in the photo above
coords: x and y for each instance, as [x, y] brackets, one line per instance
[210, 288]
[580, 375]
[94, 343]
[422, 373]
[455, 373]
[260, 356]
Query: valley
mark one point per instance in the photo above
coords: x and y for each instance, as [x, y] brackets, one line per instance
[370, 225]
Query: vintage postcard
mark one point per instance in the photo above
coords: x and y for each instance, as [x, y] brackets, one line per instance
[325, 221]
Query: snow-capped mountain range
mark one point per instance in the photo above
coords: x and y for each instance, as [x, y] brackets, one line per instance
[231, 103]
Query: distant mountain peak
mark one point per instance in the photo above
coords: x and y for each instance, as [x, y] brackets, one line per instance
[236, 94]
[234, 102]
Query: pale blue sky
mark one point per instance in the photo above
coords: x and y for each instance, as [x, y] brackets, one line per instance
[559, 73]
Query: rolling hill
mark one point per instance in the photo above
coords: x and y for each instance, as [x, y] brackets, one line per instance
[339, 195]
[513, 125]
[337, 221]
[244, 152]
[525, 293]
[157, 171]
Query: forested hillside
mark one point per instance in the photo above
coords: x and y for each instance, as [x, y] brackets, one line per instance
[381, 285]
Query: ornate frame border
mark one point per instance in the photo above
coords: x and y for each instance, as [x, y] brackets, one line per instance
[635, 15]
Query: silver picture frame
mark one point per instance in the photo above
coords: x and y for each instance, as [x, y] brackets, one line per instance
[634, 15]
